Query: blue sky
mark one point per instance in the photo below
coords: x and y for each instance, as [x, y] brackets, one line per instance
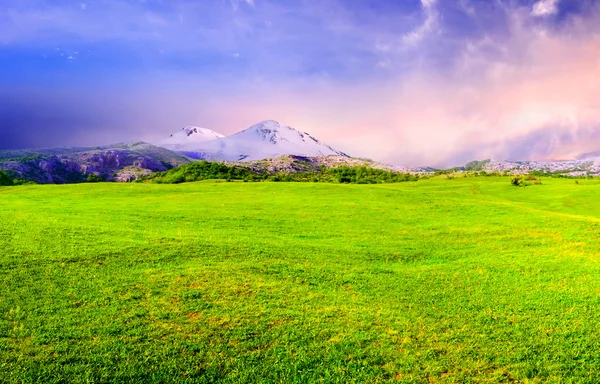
[421, 82]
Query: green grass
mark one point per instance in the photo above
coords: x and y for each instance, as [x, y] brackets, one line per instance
[464, 280]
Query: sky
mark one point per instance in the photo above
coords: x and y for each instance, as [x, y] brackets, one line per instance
[406, 82]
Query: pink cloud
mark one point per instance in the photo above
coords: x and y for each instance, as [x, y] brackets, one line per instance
[538, 84]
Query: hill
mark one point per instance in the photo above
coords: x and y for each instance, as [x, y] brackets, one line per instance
[121, 162]
[585, 166]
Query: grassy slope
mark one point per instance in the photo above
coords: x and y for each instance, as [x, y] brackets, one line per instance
[440, 280]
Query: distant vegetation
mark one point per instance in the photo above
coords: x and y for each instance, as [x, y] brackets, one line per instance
[205, 170]
[476, 165]
[202, 170]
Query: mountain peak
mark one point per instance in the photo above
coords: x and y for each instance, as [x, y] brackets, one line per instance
[270, 126]
[191, 130]
[189, 138]
[269, 123]
[266, 139]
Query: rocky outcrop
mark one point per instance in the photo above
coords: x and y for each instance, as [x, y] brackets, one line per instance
[583, 167]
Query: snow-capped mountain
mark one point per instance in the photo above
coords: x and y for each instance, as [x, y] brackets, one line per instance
[261, 141]
[188, 138]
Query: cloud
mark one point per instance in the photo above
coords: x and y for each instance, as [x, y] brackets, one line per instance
[545, 8]
[466, 7]
[235, 4]
[428, 3]
[429, 26]
[430, 83]
[531, 93]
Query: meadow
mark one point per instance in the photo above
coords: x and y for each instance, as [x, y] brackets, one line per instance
[463, 280]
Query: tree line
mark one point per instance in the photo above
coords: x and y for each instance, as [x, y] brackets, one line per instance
[204, 170]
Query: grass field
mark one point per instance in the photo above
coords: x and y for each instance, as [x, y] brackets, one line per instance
[440, 280]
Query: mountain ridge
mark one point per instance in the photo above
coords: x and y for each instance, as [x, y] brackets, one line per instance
[267, 146]
[585, 166]
[266, 139]
[119, 162]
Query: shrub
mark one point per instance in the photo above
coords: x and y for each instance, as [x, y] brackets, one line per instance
[5, 180]
[23, 182]
[517, 180]
[93, 178]
[531, 177]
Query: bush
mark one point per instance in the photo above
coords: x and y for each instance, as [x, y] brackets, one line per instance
[517, 180]
[524, 181]
[5, 180]
[93, 178]
[23, 182]
[531, 177]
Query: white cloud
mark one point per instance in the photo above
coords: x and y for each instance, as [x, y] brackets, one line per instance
[235, 4]
[545, 8]
[429, 26]
[428, 3]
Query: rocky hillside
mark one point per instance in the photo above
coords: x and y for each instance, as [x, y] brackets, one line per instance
[123, 162]
[581, 167]
[295, 164]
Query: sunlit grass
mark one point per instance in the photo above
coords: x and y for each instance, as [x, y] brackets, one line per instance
[439, 280]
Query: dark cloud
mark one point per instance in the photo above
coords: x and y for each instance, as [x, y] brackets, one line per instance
[29, 122]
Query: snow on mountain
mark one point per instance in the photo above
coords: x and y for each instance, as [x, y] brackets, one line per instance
[264, 140]
[189, 138]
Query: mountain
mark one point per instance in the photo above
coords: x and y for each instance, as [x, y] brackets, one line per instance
[264, 140]
[121, 162]
[189, 138]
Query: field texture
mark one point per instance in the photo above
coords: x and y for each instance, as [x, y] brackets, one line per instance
[464, 280]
